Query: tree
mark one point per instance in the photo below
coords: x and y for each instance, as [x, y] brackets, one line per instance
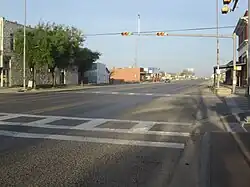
[37, 48]
[64, 44]
[84, 60]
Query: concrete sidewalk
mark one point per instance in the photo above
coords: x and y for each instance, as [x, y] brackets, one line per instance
[226, 165]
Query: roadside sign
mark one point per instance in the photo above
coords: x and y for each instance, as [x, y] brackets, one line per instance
[238, 68]
[217, 71]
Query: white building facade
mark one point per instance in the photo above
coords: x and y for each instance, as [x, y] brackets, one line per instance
[98, 74]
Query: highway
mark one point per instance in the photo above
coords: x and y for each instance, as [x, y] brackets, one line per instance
[129, 135]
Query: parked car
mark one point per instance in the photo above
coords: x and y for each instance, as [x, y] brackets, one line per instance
[167, 81]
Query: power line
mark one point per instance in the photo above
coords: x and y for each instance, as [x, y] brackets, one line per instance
[172, 30]
[155, 31]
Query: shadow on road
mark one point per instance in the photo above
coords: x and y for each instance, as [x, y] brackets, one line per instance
[87, 164]
[204, 110]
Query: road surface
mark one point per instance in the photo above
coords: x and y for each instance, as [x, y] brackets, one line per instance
[130, 135]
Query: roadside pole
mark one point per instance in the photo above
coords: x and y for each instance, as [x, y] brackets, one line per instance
[234, 63]
[217, 45]
[24, 45]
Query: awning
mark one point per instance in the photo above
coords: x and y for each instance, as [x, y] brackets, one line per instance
[229, 66]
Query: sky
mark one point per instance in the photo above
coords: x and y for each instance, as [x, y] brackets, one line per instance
[171, 54]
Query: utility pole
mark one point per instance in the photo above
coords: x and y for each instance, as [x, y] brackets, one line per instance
[137, 39]
[234, 63]
[217, 45]
[1, 50]
[24, 45]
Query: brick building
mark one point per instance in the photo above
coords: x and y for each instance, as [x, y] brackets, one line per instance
[241, 31]
[127, 75]
[11, 69]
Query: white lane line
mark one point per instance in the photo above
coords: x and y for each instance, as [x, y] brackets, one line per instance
[43, 121]
[92, 140]
[142, 127]
[9, 116]
[35, 125]
[128, 131]
[90, 125]
[90, 119]
[146, 94]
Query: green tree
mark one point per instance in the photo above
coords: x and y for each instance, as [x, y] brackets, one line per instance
[84, 60]
[64, 44]
[37, 48]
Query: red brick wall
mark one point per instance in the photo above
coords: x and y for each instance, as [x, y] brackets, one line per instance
[246, 27]
[246, 32]
[126, 74]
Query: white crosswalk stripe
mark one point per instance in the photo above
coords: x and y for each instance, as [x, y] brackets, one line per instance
[12, 124]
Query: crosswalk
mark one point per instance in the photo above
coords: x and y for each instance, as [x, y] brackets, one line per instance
[153, 94]
[92, 130]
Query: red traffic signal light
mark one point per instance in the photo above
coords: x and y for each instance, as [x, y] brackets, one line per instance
[227, 2]
[160, 33]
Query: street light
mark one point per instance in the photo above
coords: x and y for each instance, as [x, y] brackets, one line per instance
[24, 45]
[137, 38]
[217, 44]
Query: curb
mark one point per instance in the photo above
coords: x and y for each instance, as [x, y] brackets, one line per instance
[242, 147]
[240, 144]
[205, 178]
[65, 89]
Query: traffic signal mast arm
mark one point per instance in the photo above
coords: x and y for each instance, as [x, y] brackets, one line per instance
[190, 35]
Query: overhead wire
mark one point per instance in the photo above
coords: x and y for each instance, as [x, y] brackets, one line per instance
[155, 31]
[169, 30]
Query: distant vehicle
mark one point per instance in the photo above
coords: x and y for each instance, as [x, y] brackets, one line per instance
[167, 81]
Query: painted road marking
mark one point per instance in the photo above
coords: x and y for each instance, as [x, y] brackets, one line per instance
[145, 94]
[91, 124]
[142, 127]
[92, 140]
[14, 115]
[87, 128]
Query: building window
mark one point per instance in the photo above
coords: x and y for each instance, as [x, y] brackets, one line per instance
[12, 42]
[244, 60]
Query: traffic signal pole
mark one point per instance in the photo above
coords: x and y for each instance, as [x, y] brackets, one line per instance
[137, 39]
[217, 45]
[233, 37]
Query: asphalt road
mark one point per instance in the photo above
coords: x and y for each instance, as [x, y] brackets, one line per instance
[131, 135]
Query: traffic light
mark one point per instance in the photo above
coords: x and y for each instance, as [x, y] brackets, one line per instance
[225, 9]
[126, 33]
[226, 2]
[160, 33]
